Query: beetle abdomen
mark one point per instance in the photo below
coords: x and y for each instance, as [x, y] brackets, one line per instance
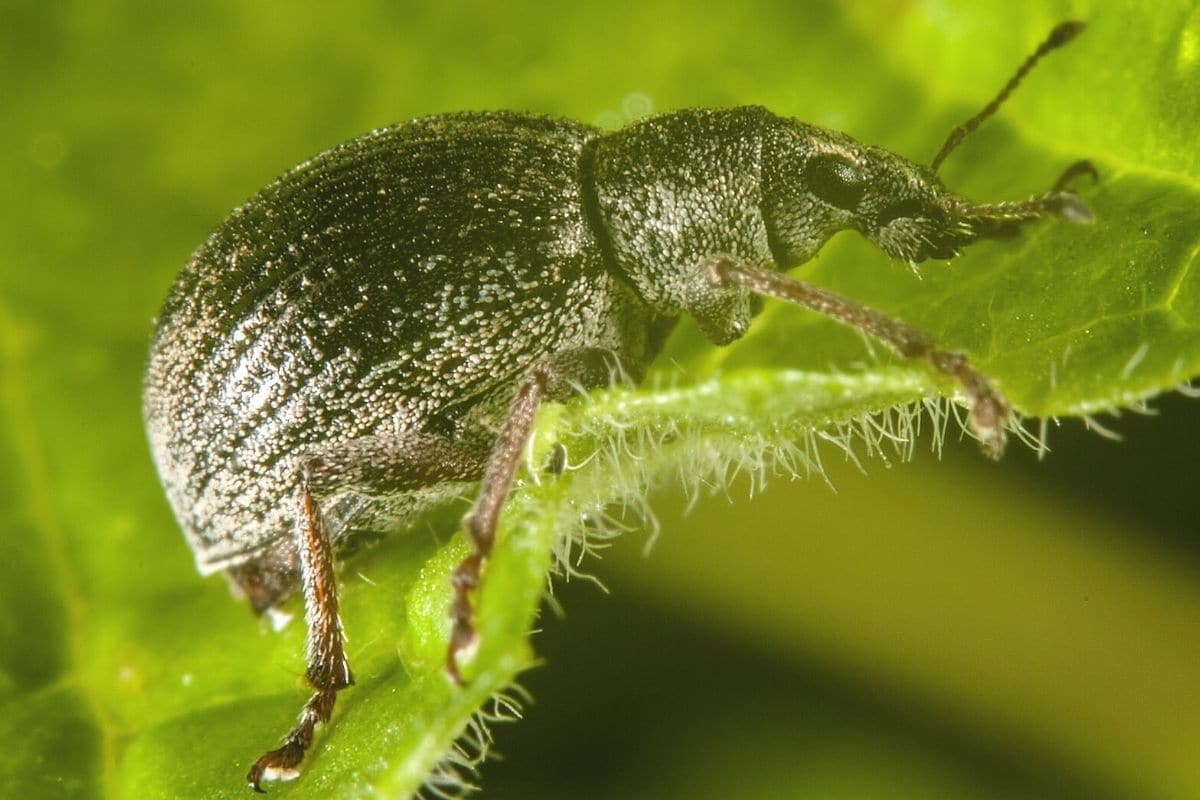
[399, 280]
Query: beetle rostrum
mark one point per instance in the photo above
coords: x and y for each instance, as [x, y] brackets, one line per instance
[372, 333]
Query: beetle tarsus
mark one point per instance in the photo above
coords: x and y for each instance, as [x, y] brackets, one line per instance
[283, 763]
[990, 412]
[463, 637]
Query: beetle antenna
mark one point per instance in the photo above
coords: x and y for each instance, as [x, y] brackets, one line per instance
[1063, 33]
[996, 220]
[1056, 203]
[1073, 171]
[1060, 201]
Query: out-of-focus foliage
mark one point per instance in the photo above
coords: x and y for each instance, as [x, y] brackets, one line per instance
[133, 127]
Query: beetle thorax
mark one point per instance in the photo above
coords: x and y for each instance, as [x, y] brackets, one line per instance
[673, 192]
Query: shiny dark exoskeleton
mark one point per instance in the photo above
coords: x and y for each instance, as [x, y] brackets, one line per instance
[373, 332]
[402, 282]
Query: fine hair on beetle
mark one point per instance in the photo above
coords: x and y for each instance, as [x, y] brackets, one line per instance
[372, 334]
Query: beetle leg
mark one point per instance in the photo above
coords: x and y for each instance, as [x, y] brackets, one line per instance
[375, 465]
[550, 379]
[328, 670]
[386, 465]
[989, 410]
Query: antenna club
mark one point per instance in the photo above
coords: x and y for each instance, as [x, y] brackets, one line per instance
[1062, 33]
[1065, 32]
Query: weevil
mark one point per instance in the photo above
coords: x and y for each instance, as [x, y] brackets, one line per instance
[372, 333]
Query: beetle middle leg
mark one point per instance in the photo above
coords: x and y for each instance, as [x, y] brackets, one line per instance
[374, 465]
[387, 465]
[989, 410]
[546, 380]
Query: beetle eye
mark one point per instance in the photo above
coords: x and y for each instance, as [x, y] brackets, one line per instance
[905, 209]
[834, 180]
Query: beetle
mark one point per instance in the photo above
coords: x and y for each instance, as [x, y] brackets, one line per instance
[373, 332]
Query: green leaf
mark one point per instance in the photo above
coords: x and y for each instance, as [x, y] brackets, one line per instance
[135, 127]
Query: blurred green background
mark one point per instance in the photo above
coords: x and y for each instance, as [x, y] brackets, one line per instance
[949, 628]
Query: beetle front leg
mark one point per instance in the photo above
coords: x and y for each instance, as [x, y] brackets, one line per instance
[989, 409]
[550, 379]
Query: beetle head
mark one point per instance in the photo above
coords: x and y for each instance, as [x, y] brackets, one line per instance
[899, 205]
[821, 182]
[915, 218]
